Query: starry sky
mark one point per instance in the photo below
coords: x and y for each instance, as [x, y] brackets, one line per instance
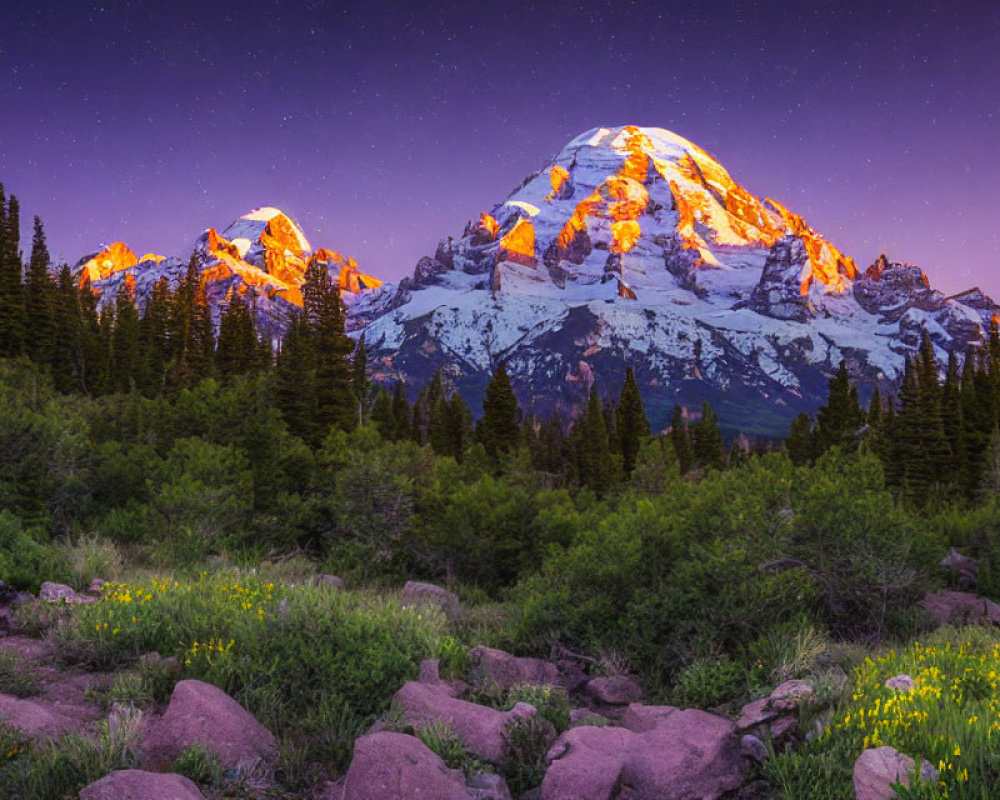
[383, 127]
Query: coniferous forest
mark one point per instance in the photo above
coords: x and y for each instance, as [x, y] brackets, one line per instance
[211, 476]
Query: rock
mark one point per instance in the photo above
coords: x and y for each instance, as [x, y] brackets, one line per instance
[201, 714]
[489, 666]
[639, 718]
[96, 586]
[689, 754]
[154, 659]
[900, 683]
[778, 711]
[61, 593]
[571, 674]
[34, 719]
[488, 787]
[135, 784]
[753, 748]
[964, 568]
[328, 581]
[480, 728]
[947, 606]
[878, 768]
[394, 766]
[427, 594]
[615, 690]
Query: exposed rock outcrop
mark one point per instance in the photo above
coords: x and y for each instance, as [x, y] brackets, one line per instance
[136, 784]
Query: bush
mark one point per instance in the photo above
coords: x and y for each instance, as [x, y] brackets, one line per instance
[709, 682]
[551, 702]
[25, 562]
[17, 677]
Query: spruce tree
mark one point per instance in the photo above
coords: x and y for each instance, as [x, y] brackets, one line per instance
[238, 352]
[126, 361]
[592, 447]
[459, 420]
[838, 421]
[294, 376]
[402, 414]
[322, 314]
[681, 438]
[12, 321]
[39, 299]
[360, 384]
[67, 336]
[708, 450]
[801, 442]
[154, 339]
[632, 426]
[498, 428]
[381, 414]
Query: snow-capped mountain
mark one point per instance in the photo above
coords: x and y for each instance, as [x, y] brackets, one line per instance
[636, 247]
[262, 256]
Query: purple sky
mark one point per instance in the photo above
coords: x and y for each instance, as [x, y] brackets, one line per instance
[382, 127]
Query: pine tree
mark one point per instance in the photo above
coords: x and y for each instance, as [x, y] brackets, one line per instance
[402, 414]
[39, 299]
[360, 384]
[324, 322]
[459, 426]
[294, 376]
[154, 339]
[12, 323]
[67, 335]
[498, 428]
[126, 361]
[238, 352]
[708, 450]
[951, 418]
[838, 421]
[381, 414]
[801, 442]
[592, 447]
[632, 426]
[681, 438]
[94, 365]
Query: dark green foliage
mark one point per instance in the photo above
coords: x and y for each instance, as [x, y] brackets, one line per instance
[681, 438]
[497, 430]
[632, 425]
[801, 442]
[707, 441]
[591, 445]
[39, 299]
[12, 320]
[239, 351]
[838, 421]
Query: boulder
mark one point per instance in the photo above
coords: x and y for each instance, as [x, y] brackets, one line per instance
[947, 606]
[615, 690]
[688, 754]
[203, 715]
[778, 712]
[328, 581]
[96, 586]
[584, 716]
[964, 568]
[488, 787]
[430, 674]
[879, 767]
[489, 666]
[900, 683]
[394, 766]
[427, 594]
[135, 784]
[753, 748]
[34, 719]
[61, 593]
[480, 728]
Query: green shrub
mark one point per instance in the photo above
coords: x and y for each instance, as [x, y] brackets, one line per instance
[91, 556]
[26, 560]
[199, 765]
[527, 742]
[709, 682]
[443, 741]
[17, 677]
[551, 702]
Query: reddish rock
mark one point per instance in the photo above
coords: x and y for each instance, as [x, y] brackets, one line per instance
[203, 715]
[489, 666]
[488, 787]
[393, 766]
[423, 594]
[900, 683]
[480, 728]
[34, 719]
[879, 767]
[615, 690]
[328, 581]
[61, 593]
[946, 606]
[135, 784]
[687, 755]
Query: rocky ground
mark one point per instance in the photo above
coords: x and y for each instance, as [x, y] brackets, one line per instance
[613, 747]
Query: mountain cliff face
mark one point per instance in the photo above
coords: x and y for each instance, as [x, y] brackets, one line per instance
[262, 256]
[636, 247]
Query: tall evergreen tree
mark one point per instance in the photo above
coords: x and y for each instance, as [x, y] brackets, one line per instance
[67, 336]
[154, 339]
[12, 322]
[838, 421]
[359, 380]
[592, 447]
[632, 426]
[681, 438]
[801, 442]
[239, 351]
[402, 414]
[39, 299]
[126, 361]
[294, 376]
[498, 428]
[323, 315]
[708, 449]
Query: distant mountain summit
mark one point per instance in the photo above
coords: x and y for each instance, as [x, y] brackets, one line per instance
[261, 256]
[636, 247]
